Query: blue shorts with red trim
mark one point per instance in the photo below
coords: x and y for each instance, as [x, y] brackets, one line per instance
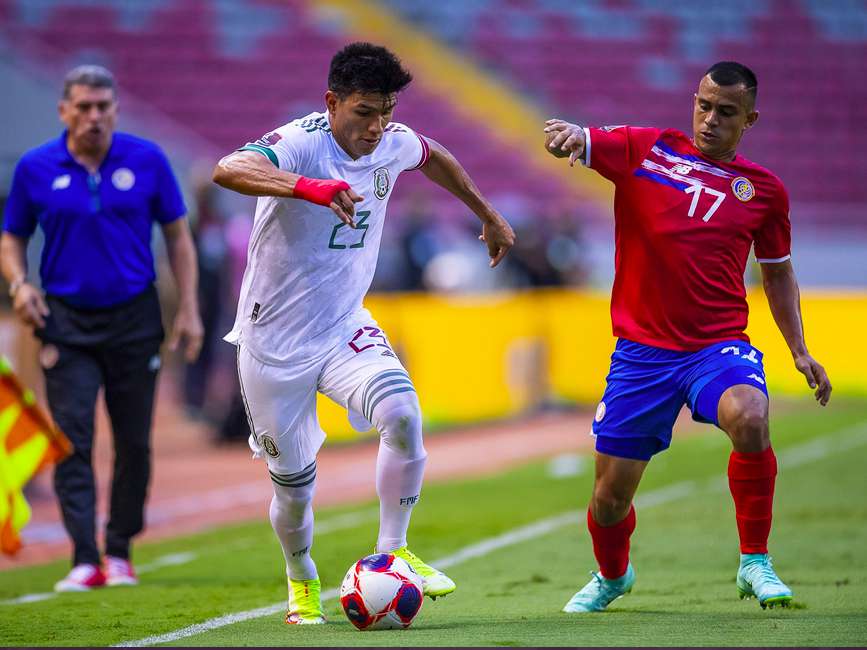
[647, 387]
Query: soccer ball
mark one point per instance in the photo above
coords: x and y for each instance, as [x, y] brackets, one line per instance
[381, 592]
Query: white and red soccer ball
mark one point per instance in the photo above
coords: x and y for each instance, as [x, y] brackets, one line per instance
[381, 592]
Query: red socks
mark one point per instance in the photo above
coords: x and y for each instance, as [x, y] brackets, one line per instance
[611, 544]
[751, 481]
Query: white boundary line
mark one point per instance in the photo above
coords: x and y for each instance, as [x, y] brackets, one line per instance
[842, 440]
[330, 525]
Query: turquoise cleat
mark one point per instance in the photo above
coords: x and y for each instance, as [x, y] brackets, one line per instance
[756, 577]
[600, 592]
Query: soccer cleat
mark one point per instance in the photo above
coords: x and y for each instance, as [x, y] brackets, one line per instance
[434, 583]
[757, 578]
[600, 592]
[305, 604]
[83, 577]
[119, 572]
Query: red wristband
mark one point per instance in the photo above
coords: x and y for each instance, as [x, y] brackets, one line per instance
[319, 191]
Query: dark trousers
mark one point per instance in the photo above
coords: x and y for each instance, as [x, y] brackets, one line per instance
[100, 348]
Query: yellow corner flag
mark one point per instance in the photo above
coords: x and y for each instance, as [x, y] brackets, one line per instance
[28, 441]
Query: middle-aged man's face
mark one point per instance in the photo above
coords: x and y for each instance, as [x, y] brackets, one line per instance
[720, 116]
[358, 120]
[89, 114]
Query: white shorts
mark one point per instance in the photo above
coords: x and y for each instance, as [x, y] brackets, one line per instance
[281, 400]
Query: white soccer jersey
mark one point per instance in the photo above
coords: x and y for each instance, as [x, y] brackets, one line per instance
[307, 272]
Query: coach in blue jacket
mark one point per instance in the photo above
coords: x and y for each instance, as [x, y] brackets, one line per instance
[96, 194]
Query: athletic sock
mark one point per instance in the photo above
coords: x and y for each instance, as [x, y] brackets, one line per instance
[751, 481]
[611, 544]
[292, 521]
[398, 484]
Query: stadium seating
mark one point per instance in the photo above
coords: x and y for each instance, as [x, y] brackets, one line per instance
[229, 70]
[637, 61]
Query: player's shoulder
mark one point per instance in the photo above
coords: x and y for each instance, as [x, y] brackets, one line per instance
[759, 174]
[675, 138]
[310, 131]
[397, 134]
[313, 125]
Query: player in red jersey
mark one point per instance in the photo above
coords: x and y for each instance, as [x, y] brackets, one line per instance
[687, 211]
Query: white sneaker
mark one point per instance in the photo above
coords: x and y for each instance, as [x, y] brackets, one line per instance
[83, 577]
[119, 572]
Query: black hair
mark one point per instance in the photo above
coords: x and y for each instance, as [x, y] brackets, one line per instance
[731, 73]
[366, 68]
[94, 76]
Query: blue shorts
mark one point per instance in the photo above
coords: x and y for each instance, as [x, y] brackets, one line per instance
[647, 386]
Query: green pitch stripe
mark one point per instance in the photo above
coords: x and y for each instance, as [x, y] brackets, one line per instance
[842, 440]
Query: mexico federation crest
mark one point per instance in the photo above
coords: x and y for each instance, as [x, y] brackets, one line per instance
[269, 446]
[743, 189]
[381, 182]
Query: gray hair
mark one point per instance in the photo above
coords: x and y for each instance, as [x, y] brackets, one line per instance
[94, 76]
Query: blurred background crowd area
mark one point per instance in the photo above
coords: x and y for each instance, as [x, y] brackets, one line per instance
[203, 77]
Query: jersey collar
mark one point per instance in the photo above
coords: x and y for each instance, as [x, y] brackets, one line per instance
[65, 158]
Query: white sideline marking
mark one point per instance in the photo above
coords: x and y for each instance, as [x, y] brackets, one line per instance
[515, 536]
[28, 598]
[330, 525]
[850, 438]
[567, 466]
[173, 559]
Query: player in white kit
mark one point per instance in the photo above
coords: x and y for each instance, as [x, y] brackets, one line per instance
[324, 181]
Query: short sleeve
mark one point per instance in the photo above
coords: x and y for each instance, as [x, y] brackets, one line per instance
[168, 203]
[773, 241]
[415, 151]
[284, 147]
[19, 215]
[614, 151]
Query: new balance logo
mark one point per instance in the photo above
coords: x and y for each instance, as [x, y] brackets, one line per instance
[303, 551]
[409, 501]
[756, 378]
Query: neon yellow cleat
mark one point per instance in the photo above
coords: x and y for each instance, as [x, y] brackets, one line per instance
[435, 583]
[305, 604]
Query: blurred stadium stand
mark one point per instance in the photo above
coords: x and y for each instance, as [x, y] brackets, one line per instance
[228, 71]
[637, 63]
[205, 76]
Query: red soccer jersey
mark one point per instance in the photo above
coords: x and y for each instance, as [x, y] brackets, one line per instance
[683, 229]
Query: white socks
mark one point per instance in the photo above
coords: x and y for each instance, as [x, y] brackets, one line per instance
[399, 467]
[292, 521]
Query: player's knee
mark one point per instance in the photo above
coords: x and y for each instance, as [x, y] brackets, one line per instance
[291, 507]
[398, 420]
[749, 431]
[609, 506]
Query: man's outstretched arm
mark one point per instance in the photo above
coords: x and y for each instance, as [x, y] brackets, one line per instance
[784, 299]
[251, 173]
[444, 170]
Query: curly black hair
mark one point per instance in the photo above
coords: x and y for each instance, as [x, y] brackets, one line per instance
[366, 68]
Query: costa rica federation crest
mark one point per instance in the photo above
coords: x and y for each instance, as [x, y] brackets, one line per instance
[743, 189]
[381, 182]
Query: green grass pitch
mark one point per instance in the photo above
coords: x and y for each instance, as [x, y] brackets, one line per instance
[684, 551]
